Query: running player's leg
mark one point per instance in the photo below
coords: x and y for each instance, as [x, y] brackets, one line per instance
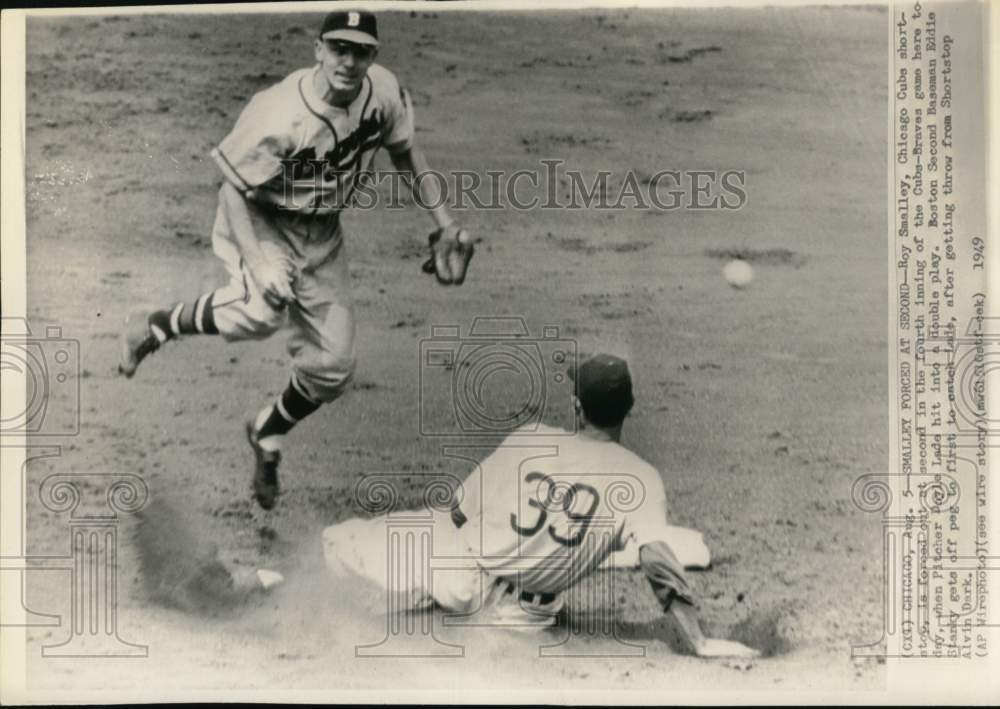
[237, 311]
[321, 347]
[322, 351]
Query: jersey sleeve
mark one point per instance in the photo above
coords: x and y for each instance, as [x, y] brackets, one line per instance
[665, 574]
[647, 523]
[398, 122]
[647, 528]
[252, 152]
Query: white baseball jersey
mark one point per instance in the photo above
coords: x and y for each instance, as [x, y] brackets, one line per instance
[293, 151]
[546, 509]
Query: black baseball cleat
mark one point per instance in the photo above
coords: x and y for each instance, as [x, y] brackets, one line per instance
[265, 474]
[137, 341]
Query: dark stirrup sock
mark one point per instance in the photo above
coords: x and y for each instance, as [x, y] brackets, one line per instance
[291, 407]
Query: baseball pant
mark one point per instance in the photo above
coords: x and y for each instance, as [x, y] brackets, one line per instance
[418, 566]
[321, 319]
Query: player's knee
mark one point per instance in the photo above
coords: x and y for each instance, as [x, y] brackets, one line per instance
[247, 330]
[239, 318]
[458, 595]
[254, 323]
[260, 331]
[268, 320]
[327, 375]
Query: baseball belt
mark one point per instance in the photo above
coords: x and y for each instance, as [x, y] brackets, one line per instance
[458, 518]
[542, 599]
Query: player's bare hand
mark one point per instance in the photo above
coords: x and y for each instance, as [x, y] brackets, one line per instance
[452, 249]
[275, 279]
[712, 647]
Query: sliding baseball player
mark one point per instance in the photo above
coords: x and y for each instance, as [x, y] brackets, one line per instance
[538, 523]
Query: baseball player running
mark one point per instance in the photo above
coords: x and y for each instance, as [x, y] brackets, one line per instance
[542, 512]
[291, 164]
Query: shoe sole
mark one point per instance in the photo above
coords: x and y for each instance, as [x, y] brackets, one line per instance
[125, 365]
[128, 364]
[258, 454]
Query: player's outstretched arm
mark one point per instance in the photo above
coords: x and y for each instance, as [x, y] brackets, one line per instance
[666, 576]
[451, 246]
[686, 618]
[426, 192]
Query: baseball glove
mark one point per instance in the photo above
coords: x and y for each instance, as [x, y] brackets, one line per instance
[450, 256]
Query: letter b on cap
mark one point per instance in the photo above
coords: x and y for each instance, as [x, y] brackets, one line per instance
[353, 19]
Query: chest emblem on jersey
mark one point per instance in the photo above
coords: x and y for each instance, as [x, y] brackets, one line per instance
[349, 150]
[344, 157]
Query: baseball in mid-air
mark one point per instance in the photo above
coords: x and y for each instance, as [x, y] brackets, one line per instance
[738, 273]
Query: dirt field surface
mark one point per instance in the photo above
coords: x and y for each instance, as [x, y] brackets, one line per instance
[760, 406]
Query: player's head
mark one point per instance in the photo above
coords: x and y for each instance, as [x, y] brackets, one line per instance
[603, 390]
[347, 45]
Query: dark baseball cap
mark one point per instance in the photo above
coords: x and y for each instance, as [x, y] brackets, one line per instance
[604, 387]
[356, 26]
